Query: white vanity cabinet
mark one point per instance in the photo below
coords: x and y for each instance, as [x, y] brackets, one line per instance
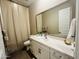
[58, 55]
[55, 55]
[44, 49]
[40, 51]
[34, 48]
[43, 52]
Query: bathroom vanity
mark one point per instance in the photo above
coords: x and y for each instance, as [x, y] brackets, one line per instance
[50, 48]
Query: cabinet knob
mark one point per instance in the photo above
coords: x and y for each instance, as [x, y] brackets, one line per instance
[39, 50]
[60, 56]
[53, 52]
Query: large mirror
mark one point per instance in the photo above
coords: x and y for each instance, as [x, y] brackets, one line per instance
[56, 21]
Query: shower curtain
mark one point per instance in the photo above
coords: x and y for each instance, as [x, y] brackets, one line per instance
[15, 21]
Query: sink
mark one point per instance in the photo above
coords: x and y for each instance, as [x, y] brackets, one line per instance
[41, 37]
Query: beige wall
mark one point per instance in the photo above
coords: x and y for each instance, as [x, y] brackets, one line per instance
[51, 20]
[39, 6]
[39, 23]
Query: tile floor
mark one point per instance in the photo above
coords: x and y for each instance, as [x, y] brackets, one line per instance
[20, 55]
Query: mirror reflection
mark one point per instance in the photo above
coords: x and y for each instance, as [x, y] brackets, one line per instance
[55, 21]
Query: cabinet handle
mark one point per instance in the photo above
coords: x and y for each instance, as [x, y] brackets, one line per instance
[39, 50]
[60, 56]
[54, 53]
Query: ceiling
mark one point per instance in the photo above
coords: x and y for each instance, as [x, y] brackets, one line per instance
[24, 2]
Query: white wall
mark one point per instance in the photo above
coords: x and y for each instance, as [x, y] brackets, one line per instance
[77, 30]
[39, 6]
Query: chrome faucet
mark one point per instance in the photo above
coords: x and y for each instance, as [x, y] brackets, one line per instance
[45, 35]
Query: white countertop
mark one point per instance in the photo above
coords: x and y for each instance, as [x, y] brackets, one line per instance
[55, 43]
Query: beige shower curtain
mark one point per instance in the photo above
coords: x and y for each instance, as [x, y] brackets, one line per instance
[16, 24]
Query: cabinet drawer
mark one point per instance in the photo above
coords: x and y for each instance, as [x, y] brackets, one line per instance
[39, 50]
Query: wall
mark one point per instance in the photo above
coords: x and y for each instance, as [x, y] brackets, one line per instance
[39, 23]
[39, 6]
[77, 30]
[51, 18]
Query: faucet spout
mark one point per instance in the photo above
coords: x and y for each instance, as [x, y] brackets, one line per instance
[45, 35]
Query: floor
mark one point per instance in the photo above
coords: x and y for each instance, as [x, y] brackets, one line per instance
[20, 55]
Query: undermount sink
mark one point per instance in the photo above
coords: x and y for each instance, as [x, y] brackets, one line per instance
[42, 37]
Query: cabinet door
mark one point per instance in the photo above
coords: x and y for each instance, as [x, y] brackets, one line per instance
[58, 55]
[39, 50]
[35, 48]
[44, 52]
[71, 57]
[52, 54]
